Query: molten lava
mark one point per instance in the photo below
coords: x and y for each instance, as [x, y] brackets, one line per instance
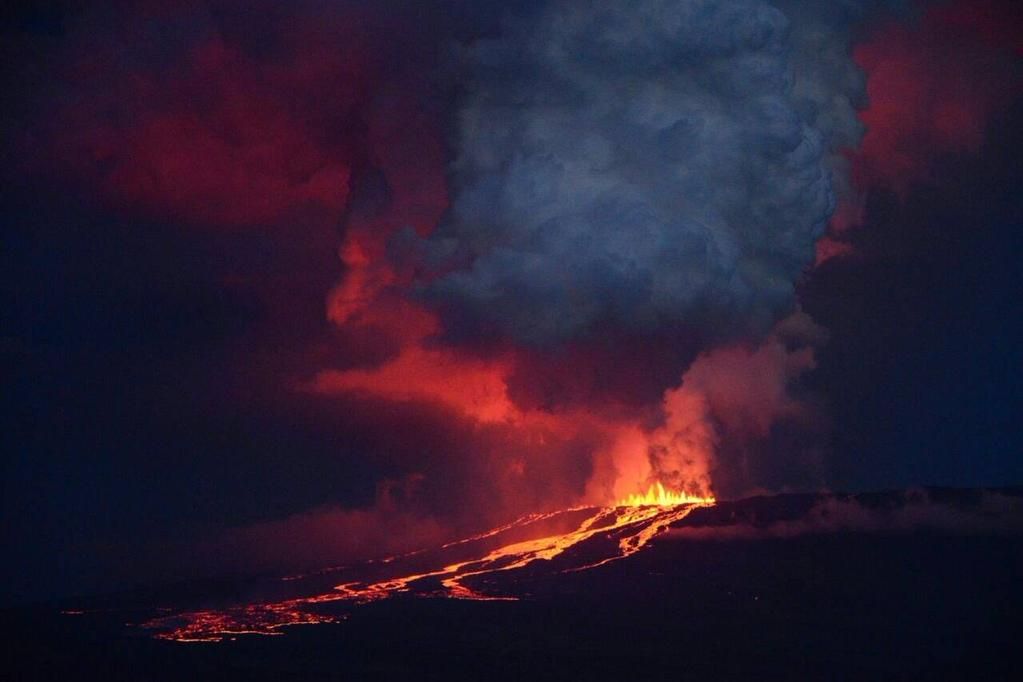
[657, 495]
[600, 535]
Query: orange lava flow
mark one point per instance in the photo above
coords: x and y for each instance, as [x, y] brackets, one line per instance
[253, 619]
[629, 526]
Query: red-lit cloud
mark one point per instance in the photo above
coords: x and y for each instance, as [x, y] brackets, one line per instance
[181, 115]
[215, 139]
[933, 84]
[932, 88]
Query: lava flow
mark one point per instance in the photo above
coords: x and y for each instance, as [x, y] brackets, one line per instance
[598, 536]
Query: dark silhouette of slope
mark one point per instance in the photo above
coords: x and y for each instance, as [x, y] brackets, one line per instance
[796, 594]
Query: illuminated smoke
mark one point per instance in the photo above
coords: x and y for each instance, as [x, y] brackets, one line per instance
[656, 169]
[646, 165]
[650, 172]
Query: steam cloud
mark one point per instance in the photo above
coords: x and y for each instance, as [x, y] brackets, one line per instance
[644, 165]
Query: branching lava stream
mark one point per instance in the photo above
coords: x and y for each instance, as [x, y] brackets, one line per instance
[630, 526]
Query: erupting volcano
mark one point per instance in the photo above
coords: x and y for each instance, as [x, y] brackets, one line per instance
[600, 536]
[537, 339]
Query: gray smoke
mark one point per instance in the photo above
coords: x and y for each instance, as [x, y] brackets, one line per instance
[644, 164]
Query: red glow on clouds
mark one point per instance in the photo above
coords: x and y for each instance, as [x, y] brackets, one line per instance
[222, 129]
[932, 87]
[828, 248]
[478, 389]
[239, 159]
[931, 90]
[219, 138]
[735, 392]
[406, 145]
[747, 388]
[473, 387]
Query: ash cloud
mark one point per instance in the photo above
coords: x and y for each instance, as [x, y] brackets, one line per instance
[646, 166]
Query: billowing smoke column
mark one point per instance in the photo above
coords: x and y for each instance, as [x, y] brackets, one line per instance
[642, 165]
[648, 170]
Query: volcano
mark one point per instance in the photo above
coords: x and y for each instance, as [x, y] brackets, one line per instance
[907, 585]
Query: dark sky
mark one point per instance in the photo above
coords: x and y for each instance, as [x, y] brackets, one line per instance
[235, 339]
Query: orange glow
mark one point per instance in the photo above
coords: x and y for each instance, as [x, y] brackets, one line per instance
[253, 619]
[472, 387]
[633, 523]
[657, 495]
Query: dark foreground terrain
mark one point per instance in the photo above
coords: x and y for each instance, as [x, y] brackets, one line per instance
[927, 585]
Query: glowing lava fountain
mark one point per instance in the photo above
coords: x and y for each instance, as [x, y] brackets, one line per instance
[657, 495]
[598, 536]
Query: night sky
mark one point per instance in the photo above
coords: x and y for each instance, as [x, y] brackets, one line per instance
[287, 284]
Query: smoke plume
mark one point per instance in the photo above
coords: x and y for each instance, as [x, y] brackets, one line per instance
[645, 166]
[649, 176]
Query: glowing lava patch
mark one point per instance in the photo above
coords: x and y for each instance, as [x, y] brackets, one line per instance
[600, 535]
[657, 495]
